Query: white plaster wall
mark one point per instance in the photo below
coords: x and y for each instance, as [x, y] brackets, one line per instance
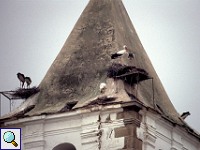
[62, 137]
[85, 130]
[47, 133]
[108, 124]
[159, 134]
[162, 145]
[95, 130]
[98, 130]
[62, 130]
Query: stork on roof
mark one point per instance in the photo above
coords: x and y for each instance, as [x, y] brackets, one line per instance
[185, 114]
[122, 52]
[102, 87]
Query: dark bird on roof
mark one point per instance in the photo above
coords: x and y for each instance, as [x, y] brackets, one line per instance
[185, 114]
[28, 81]
[21, 78]
[122, 52]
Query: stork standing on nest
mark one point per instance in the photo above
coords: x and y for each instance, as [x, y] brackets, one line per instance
[28, 81]
[122, 52]
[21, 78]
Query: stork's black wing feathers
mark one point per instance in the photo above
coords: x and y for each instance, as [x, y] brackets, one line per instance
[115, 55]
[131, 55]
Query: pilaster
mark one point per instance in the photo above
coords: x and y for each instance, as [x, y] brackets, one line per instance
[98, 131]
[176, 142]
[90, 131]
[33, 139]
[147, 131]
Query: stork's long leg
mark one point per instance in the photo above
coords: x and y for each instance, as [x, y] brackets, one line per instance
[22, 84]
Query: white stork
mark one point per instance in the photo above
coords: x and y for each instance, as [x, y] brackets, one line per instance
[102, 87]
[28, 81]
[122, 52]
[185, 114]
[21, 78]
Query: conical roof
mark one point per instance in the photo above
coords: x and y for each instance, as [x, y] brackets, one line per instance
[102, 29]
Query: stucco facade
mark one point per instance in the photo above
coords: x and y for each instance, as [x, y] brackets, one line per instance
[157, 133]
[104, 128]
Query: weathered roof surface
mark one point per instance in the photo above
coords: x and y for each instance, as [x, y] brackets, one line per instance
[102, 29]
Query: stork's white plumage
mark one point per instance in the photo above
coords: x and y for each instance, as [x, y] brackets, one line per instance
[122, 52]
[119, 53]
[28, 81]
[102, 87]
[21, 78]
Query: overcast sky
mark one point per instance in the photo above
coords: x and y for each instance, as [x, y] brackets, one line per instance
[32, 32]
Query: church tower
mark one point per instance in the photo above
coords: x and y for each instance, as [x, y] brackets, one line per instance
[95, 98]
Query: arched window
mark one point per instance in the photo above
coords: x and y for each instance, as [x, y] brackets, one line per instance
[64, 146]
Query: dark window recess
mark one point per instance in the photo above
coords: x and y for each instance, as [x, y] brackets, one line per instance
[68, 106]
[64, 146]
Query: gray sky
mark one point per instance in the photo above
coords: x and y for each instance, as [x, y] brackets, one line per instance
[32, 32]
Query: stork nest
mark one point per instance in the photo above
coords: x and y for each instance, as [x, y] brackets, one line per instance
[130, 74]
[25, 93]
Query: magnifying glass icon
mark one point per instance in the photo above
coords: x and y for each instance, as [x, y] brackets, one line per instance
[9, 137]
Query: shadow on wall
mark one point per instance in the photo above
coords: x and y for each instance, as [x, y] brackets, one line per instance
[64, 146]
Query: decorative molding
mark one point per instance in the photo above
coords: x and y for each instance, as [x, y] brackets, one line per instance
[131, 121]
[51, 133]
[34, 135]
[34, 144]
[176, 145]
[149, 139]
[91, 126]
[151, 129]
[163, 137]
[61, 131]
[112, 123]
[89, 134]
